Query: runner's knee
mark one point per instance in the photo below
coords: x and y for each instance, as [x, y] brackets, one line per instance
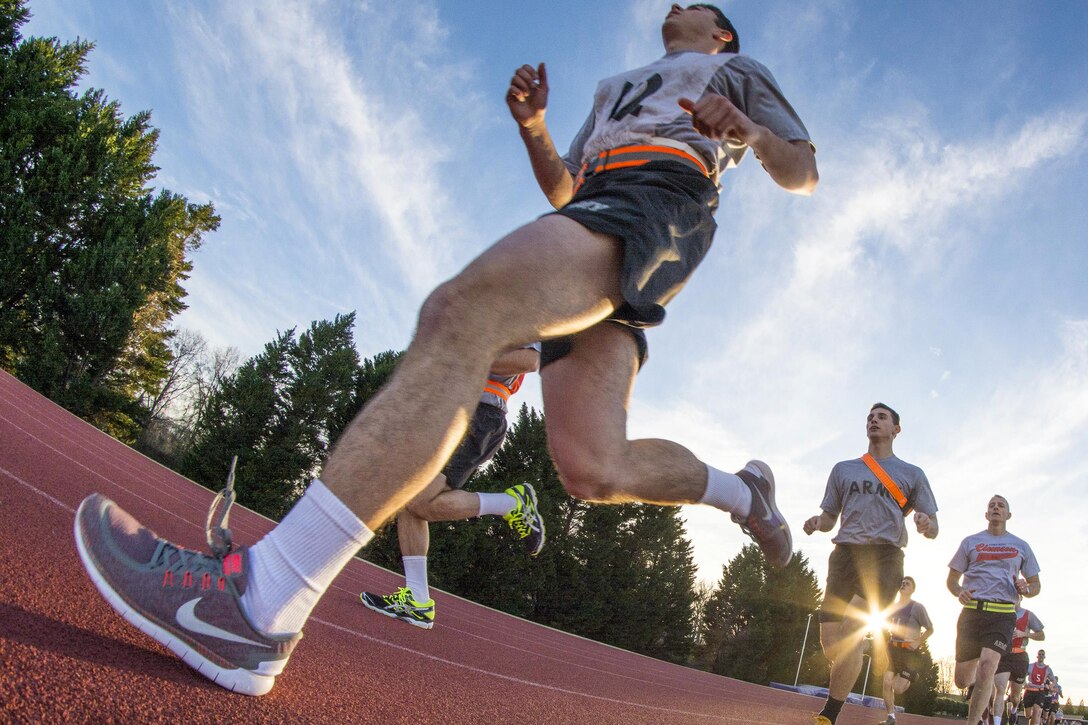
[459, 315]
[588, 479]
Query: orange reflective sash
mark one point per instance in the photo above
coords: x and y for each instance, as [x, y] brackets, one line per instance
[889, 484]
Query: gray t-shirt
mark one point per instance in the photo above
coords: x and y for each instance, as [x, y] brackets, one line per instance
[990, 565]
[641, 105]
[869, 514]
[907, 621]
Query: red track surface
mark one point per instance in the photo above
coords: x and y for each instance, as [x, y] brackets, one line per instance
[66, 657]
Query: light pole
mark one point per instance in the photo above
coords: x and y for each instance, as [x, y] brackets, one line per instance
[868, 666]
[802, 656]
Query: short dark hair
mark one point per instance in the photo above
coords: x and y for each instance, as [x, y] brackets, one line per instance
[895, 416]
[911, 580]
[733, 46]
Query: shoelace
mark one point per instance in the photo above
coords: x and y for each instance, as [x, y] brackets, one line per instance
[400, 600]
[186, 561]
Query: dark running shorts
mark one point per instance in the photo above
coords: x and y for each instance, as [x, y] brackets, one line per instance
[1016, 664]
[552, 350]
[1050, 706]
[1034, 697]
[905, 663]
[482, 439]
[663, 213]
[854, 570]
[976, 631]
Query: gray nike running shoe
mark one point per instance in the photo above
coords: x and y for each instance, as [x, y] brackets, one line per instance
[186, 600]
[765, 523]
[525, 519]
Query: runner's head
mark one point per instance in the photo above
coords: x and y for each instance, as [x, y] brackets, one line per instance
[699, 27]
[997, 510]
[1040, 655]
[907, 585]
[882, 422]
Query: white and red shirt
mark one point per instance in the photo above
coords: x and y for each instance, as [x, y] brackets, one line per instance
[1038, 675]
[990, 565]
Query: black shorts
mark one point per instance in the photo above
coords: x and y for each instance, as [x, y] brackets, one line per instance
[854, 570]
[663, 213]
[1050, 706]
[482, 439]
[1016, 664]
[1034, 697]
[552, 350]
[977, 630]
[905, 663]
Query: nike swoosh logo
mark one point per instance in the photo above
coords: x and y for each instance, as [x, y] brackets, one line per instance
[187, 618]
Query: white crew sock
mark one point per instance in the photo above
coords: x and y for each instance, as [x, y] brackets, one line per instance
[727, 492]
[295, 563]
[415, 576]
[496, 504]
[997, 720]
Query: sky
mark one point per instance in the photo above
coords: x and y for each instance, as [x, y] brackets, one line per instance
[360, 153]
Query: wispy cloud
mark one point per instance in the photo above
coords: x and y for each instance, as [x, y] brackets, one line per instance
[891, 215]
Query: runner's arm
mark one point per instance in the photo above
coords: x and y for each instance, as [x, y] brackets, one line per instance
[791, 164]
[1029, 587]
[517, 361]
[823, 522]
[926, 524]
[953, 584]
[527, 99]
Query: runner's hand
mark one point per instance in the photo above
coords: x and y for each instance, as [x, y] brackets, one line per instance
[716, 117]
[812, 525]
[527, 97]
[966, 595]
[923, 523]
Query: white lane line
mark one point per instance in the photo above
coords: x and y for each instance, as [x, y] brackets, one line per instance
[530, 683]
[37, 490]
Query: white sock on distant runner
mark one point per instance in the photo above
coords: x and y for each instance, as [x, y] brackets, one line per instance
[295, 563]
[997, 720]
[496, 504]
[727, 492]
[415, 576]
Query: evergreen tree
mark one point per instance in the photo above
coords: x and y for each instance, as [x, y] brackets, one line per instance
[91, 260]
[277, 414]
[619, 574]
[921, 698]
[755, 621]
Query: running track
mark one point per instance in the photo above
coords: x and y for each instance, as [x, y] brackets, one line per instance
[66, 657]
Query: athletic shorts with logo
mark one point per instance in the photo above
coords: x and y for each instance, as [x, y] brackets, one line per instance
[905, 663]
[1016, 664]
[853, 569]
[663, 214]
[978, 630]
[482, 440]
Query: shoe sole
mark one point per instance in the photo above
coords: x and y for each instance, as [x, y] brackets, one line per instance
[765, 471]
[237, 680]
[394, 615]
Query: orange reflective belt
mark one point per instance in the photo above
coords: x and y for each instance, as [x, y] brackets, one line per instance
[636, 155]
[889, 484]
[496, 388]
